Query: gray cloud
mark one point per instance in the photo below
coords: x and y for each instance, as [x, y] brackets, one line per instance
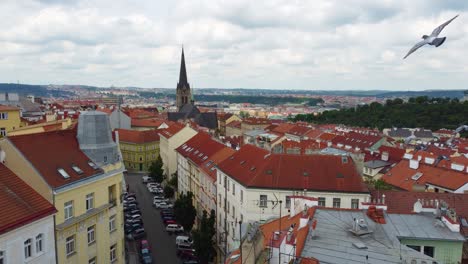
[356, 44]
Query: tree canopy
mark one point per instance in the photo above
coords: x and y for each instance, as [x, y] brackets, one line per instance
[203, 237]
[184, 211]
[156, 170]
[431, 113]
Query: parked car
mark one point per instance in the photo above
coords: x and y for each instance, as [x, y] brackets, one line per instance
[184, 240]
[145, 257]
[146, 178]
[129, 228]
[167, 214]
[169, 222]
[130, 207]
[192, 261]
[165, 205]
[132, 212]
[174, 228]
[184, 250]
[130, 199]
[159, 199]
[187, 255]
[156, 191]
[144, 244]
[138, 234]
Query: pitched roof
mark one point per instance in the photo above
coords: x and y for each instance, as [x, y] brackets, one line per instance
[137, 136]
[138, 113]
[235, 124]
[8, 108]
[402, 176]
[257, 121]
[50, 151]
[20, 203]
[173, 129]
[327, 136]
[359, 140]
[209, 166]
[283, 128]
[303, 145]
[394, 154]
[299, 130]
[149, 122]
[257, 168]
[224, 116]
[200, 148]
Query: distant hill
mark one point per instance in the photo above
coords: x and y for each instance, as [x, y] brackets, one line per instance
[31, 89]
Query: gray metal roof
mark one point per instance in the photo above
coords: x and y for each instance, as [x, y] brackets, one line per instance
[95, 138]
[334, 243]
[254, 133]
[374, 164]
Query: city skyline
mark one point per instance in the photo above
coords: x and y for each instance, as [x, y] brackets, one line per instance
[321, 46]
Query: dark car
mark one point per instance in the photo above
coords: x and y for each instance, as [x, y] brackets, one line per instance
[192, 261]
[129, 228]
[145, 256]
[188, 255]
[183, 250]
[139, 234]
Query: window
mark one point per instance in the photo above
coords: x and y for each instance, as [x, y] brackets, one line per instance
[225, 180]
[241, 196]
[89, 201]
[263, 201]
[227, 210]
[111, 190]
[233, 189]
[3, 131]
[3, 115]
[68, 210]
[219, 199]
[355, 203]
[429, 251]
[321, 201]
[233, 211]
[336, 202]
[91, 234]
[39, 239]
[417, 248]
[112, 223]
[27, 248]
[2, 257]
[228, 183]
[288, 202]
[92, 261]
[70, 245]
[113, 253]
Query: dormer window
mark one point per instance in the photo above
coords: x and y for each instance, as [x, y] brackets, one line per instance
[77, 169]
[63, 173]
[92, 165]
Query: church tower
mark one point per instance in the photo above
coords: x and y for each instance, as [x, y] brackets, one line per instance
[183, 93]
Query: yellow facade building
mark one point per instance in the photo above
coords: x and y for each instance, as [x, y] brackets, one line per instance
[82, 180]
[9, 119]
[139, 148]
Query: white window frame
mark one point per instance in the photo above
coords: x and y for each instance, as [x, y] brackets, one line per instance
[336, 200]
[39, 243]
[91, 234]
[89, 201]
[68, 210]
[112, 225]
[354, 205]
[28, 248]
[70, 245]
[320, 199]
[113, 253]
[263, 202]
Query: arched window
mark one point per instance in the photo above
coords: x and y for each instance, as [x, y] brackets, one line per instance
[2, 257]
[27, 248]
[39, 243]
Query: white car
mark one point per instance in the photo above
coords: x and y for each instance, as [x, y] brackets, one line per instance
[159, 200]
[174, 228]
[146, 178]
[163, 205]
[183, 240]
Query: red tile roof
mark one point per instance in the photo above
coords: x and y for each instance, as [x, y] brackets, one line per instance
[224, 116]
[303, 145]
[200, 148]
[20, 203]
[394, 154]
[257, 121]
[299, 130]
[314, 133]
[173, 129]
[150, 122]
[401, 176]
[137, 113]
[214, 160]
[327, 136]
[354, 140]
[283, 128]
[49, 151]
[8, 108]
[257, 168]
[235, 124]
[138, 137]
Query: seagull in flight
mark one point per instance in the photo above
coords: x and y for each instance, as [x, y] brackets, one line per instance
[432, 39]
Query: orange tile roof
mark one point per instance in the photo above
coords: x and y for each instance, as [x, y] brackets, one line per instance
[200, 148]
[138, 137]
[8, 108]
[258, 168]
[20, 203]
[150, 122]
[138, 113]
[235, 124]
[400, 176]
[359, 140]
[283, 128]
[173, 129]
[257, 121]
[314, 133]
[327, 136]
[49, 151]
[299, 130]
[213, 161]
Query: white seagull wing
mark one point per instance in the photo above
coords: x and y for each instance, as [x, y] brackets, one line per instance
[415, 47]
[439, 29]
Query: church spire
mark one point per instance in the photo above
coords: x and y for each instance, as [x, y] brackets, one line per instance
[183, 83]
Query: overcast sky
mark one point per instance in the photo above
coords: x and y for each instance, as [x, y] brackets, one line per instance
[352, 44]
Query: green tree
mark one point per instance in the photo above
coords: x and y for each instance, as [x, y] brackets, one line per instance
[168, 191]
[156, 171]
[243, 114]
[184, 211]
[173, 181]
[203, 238]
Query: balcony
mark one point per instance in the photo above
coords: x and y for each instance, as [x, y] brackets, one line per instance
[82, 217]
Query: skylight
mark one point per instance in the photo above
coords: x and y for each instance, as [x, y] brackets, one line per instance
[416, 176]
[252, 168]
[242, 162]
[196, 152]
[92, 165]
[204, 158]
[77, 169]
[63, 173]
[199, 155]
[209, 163]
[213, 168]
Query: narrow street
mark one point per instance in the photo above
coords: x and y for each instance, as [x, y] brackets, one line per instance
[162, 244]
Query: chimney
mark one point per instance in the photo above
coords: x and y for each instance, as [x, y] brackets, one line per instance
[276, 235]
[384, 156]
[2, 156]
[413, 164]
[329, 144]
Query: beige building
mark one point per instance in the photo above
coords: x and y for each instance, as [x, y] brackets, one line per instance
[170, 139]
